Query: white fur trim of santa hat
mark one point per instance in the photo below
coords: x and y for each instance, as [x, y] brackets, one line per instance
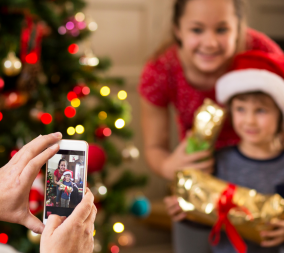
[250, 80]
[67, 173]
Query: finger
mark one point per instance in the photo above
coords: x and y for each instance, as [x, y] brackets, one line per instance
[33, 223]
[179, 217]
[174, 210]
[271, 243]
[170, 201]
[203, 165]
[194, 157]
[83, 209]
[91, 219]
[30, 172]
[53, 222]
[36, 146]
[273, 233]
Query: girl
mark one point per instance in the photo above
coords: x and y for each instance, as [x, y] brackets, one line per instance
[208, 33]
[62, 166]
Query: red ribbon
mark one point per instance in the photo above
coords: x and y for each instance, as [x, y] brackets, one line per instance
[225, 204]
[65, 191]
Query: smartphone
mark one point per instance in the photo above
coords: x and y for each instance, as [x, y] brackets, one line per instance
[66, 178]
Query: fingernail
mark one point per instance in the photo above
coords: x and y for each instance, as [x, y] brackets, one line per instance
[53, 147]
[57, 135]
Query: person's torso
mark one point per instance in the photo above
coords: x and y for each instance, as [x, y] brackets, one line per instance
[66, 195]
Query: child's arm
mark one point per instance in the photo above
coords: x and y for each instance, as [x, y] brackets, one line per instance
[274, 237]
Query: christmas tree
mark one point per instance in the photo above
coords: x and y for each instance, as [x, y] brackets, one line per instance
[48, 84]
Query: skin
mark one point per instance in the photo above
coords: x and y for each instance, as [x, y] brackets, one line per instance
[208, 33]
[62, 167]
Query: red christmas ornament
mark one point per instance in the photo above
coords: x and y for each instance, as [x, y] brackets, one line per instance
[46, 118]
[96, 158]
[1, 116]
[31, 58]
[102, 132]
[1, 83]
[70, 111]
[36, 197]
[73, 48]
[3, 238]
[71, 95]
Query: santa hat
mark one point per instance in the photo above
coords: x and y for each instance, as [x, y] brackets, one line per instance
[253, 71]
[68, 172]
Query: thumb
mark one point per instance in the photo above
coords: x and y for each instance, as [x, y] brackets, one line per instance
[188, 133]
[53, 222]
[33, 223]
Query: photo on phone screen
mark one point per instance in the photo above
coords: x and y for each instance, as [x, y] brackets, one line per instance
[64, 182]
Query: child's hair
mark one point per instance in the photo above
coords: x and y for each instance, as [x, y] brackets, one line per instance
[62, 160]
[178, 11]
[262, 98]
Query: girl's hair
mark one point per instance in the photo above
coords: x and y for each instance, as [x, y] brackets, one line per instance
[262, 98]
[178, 11]
[62, 160]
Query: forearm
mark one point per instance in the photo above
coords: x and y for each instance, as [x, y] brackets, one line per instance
[156, 157]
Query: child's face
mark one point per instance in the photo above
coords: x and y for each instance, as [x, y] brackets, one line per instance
[208, 31]
[67, 178]
[62, 166]
[256, 122]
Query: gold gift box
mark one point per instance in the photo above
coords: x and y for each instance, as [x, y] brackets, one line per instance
[62, 188]
[198, 194]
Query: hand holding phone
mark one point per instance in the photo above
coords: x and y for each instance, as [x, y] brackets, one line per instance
[66, 173]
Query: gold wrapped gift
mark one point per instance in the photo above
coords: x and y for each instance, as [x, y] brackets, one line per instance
[208, 120]
[63, 187]
[199, 194]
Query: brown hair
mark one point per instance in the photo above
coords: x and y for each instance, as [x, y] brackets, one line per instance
[262, 98]
[62, 160]
[178, 11]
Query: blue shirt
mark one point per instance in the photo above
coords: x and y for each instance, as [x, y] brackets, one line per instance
[64, 195]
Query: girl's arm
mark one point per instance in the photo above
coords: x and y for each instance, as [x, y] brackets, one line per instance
[155, 127]
[55, 180]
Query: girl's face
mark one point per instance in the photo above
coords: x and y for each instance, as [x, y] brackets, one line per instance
[62, 166]
[208, 31]
[256, 122]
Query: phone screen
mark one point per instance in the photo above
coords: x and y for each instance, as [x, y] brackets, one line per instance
[64, 182]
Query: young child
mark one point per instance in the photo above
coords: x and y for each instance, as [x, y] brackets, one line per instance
[254, 94]
[65, 197]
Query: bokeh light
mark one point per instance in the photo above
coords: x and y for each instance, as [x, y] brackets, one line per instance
[86, 90]
[70, 25]
[4, 238]
[122, 95]
[76, 102]
[119, 123]
[102, 190]
[71, 131]
[118, 227]
[46, 118]
[105, 91]
[70, 112]
[102, 115]
[80, 16]
[93, 26]
[107, 132]
[71, 95]
[1, 116]
[80, 129]
[1, 83]
[13, 152]
[73, 48]
[114, 249]
[32, 58]
[62, 30]
[93, 61]
[77, 89]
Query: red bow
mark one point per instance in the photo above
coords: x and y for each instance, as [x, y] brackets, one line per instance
[66, 191]
[225, 204]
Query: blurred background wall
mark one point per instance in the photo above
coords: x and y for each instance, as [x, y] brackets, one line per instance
[129, 31]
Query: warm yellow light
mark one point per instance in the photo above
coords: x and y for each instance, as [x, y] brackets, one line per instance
[80, 16]
[105, 91]
[80, 129]
[118, 227]
[94, 233]
[93, 26]
[122, 95]
[102, 115]
[120, 123]
[71, 130]
[75, 102]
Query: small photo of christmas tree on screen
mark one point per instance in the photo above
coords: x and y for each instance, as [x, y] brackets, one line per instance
[47, 85]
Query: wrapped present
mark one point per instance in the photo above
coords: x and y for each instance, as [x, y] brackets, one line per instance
[211, 201]
[49, 203]
[61, 179]
[80, 190]
[65, 188]
[208, 120]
